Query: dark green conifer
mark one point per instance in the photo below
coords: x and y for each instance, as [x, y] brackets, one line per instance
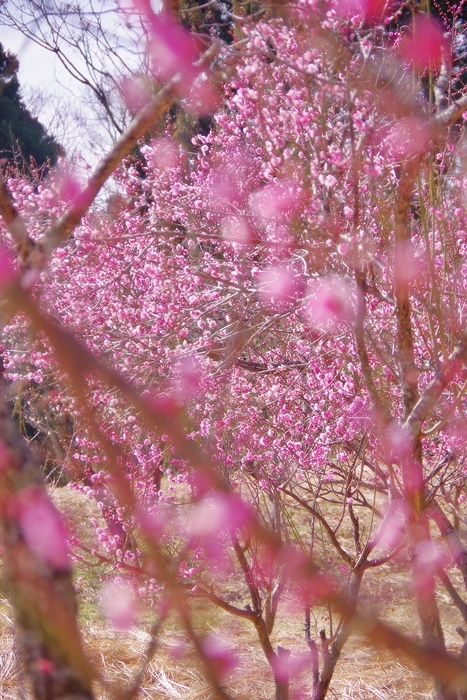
[22, 136]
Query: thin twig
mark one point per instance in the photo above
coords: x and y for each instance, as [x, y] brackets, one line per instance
[152, 111]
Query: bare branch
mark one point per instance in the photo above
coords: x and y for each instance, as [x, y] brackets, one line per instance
[154, 109]
[330, 532]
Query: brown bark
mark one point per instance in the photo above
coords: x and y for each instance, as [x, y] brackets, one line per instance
[412, 465]
[405, 343]
[282, 679]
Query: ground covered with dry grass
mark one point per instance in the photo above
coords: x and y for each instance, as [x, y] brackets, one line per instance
[174, 671]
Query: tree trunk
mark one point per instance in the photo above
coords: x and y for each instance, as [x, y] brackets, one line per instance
[281, 675]
[38, 576]
[412, 463]
[331, 653]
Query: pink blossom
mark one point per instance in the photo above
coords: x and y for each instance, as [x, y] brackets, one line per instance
[163, 154]
[216, 513]
[329, 301]
[394, 525]
[426, 45]
[430, 556]
[202, 96]
[188, 378]
[407, 266]
[172, 50]
[178, 648]
[413, 477]
[278, 287]
[152, 524]
[275, 203]
[42, 527]
[7, 269]
[370, 11]
[69, 187]
[236, 229]
[117, 602]
[135, 94]
[407, 137]
[193, 289]
[281, 665]
[45, 665]
[429, 559]
[5, 456]
[398, 443]
[220, 654]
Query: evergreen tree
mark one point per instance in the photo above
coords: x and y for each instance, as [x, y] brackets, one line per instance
[21, 134]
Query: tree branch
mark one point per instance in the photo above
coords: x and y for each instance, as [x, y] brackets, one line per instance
[154, 109]
[422, 409]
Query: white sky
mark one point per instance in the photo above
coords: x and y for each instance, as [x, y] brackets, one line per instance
[38, 67]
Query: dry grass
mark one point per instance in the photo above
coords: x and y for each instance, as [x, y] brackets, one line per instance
[362, 673]
[10, 676]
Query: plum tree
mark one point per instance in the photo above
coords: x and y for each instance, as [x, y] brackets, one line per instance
[254, 358]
